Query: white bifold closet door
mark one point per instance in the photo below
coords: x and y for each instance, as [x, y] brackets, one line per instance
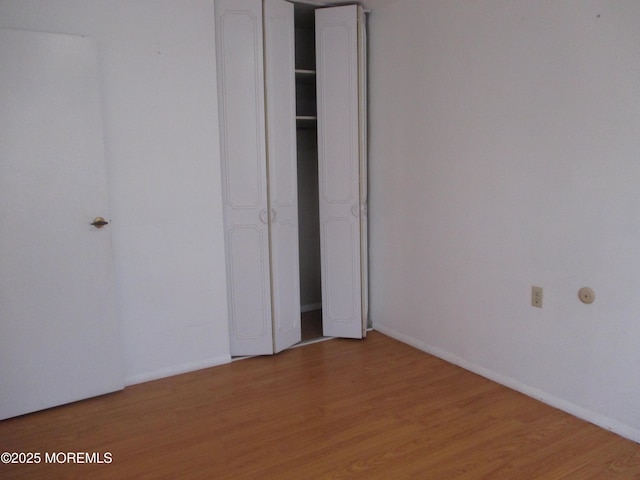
[280, 81]
[255, 48]
[341, 169]
[260, 197]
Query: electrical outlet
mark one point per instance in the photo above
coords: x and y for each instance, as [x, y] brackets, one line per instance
[536, 297]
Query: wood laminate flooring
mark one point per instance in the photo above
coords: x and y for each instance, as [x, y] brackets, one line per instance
[371, 409]
[311, 323]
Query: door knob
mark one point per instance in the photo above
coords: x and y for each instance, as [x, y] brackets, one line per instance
[355, 210]
[99, 222]
[264, 216]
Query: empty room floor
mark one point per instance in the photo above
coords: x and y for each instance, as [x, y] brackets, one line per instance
[373, 408]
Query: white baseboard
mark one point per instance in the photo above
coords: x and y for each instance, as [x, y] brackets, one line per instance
[311, 307]
[176, 370]
[559, 403]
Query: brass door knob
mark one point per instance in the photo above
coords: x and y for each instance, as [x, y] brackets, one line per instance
[99, 222]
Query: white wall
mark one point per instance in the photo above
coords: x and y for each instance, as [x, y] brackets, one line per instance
[505, 153]
[157, 61]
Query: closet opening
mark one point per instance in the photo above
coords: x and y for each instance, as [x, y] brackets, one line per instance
[292, 128]
[307, 166]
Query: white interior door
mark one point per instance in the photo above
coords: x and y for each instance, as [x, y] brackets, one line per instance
[244, 177]
[339, 170]
[279, 38]
[59, 330]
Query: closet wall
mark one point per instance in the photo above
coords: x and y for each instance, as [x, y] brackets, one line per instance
[308, 220]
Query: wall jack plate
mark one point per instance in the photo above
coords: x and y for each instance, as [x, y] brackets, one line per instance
[536, 297]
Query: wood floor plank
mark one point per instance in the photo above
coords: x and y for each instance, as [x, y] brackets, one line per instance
[337, 409]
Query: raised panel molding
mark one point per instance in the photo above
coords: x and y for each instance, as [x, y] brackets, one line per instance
[250, 306]
[280, 81]
[341, 239]
[339, 171]
[287, 317]
[241, 110]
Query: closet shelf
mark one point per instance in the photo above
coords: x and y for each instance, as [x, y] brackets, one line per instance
[305, 76]
[306, 121]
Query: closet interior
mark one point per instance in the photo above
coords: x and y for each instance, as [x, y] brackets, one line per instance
[307, 168]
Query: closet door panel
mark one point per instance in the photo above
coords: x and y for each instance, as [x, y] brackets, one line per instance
[341, 239]
[248, 292]
[282, 161]
[244, 177]
[286, 297]
[337, 109]
[338, 169]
